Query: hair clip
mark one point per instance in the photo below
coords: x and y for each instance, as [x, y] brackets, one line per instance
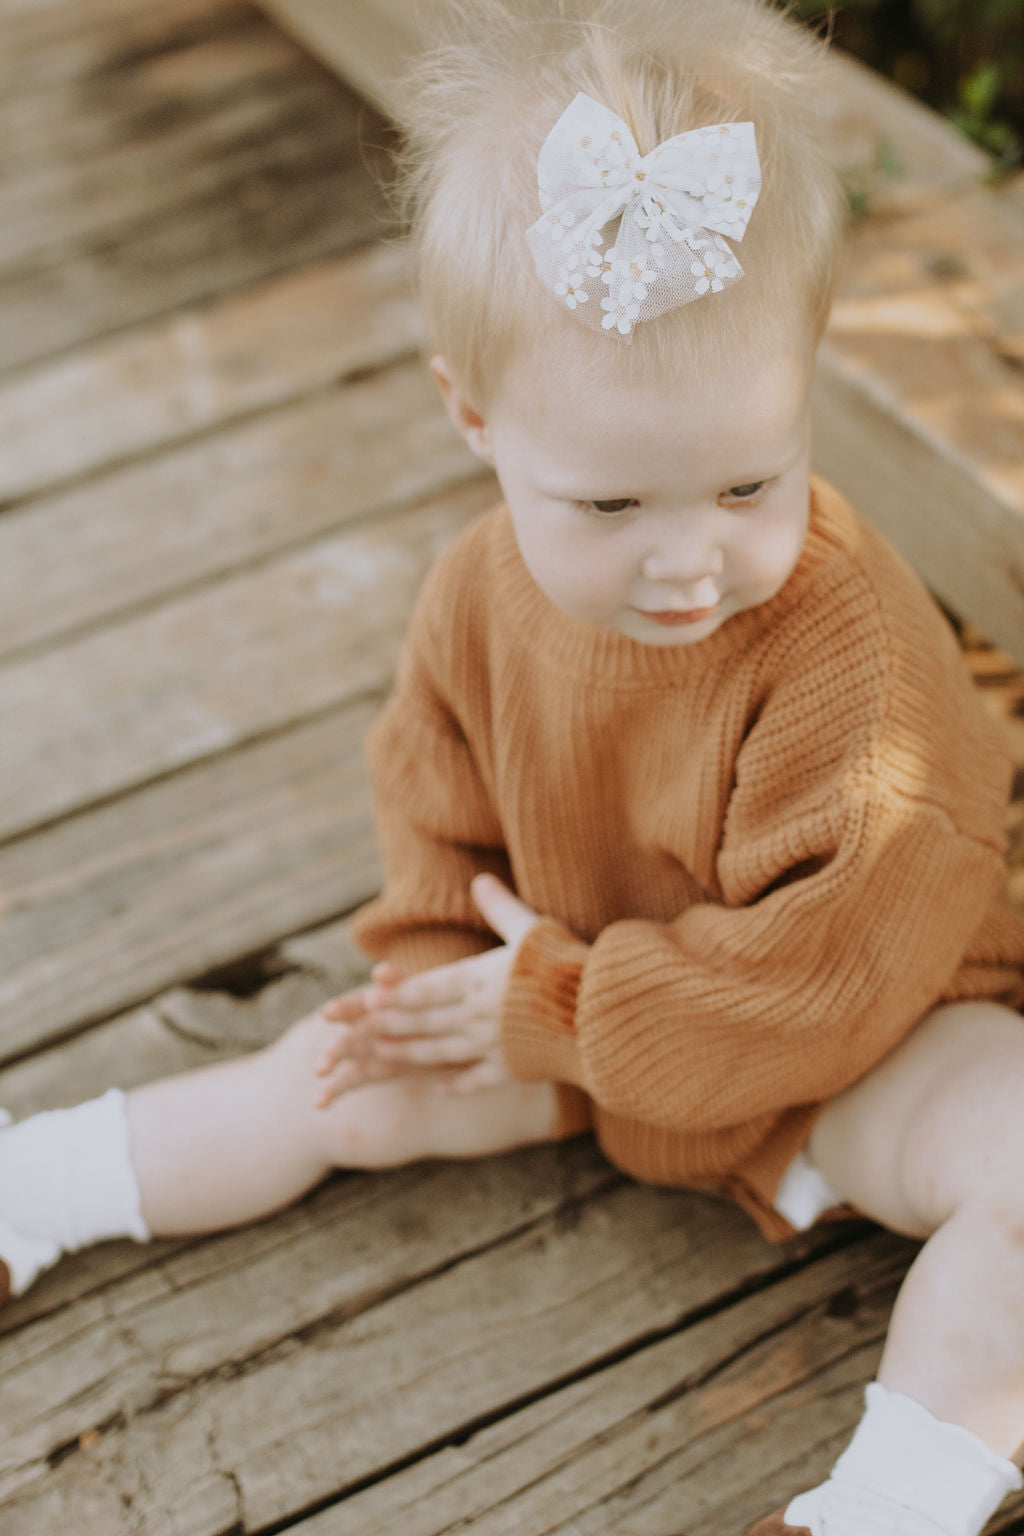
[676, 204]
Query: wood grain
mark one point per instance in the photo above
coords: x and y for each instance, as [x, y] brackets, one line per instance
[230, 500]
[382, 1369]
[701, 1431]
[106, 909]
[197, 676]
[188, 374]
[165, 155]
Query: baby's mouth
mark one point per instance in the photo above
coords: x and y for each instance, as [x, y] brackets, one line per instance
[673, 616]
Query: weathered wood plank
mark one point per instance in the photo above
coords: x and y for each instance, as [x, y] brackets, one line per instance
[55, 212]
[105, 910]
[250, 491]
[234, 237]
[365, 42]
[210, 669]
[933, 303]
[45, 45]
[919, 363]
[184, 159]
[964, 540]
[199, 369]
[373, 1378]
[75, 155]
[354, 1247]
[778, 1374]
[863, 111]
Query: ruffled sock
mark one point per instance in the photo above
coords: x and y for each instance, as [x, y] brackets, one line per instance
[906, 1473]
[66, 1180]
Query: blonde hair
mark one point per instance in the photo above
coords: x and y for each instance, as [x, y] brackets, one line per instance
[477, 108]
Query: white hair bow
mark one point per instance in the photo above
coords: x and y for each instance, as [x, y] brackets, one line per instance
[676, 204]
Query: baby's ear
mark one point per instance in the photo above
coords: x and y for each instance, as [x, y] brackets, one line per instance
[465, 416]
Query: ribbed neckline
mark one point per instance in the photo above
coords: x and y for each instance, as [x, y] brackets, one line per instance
[605, 657]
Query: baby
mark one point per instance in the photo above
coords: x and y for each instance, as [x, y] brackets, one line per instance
[691, 819]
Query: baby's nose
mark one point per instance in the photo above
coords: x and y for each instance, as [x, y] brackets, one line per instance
[684, 561]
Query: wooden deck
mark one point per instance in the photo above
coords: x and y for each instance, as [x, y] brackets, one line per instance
[223, 473]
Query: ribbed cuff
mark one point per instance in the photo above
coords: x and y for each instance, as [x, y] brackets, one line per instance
[538, 1033]
[103, 1196]
[413, 950]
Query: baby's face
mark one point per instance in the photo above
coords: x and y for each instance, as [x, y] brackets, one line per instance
[656, 514]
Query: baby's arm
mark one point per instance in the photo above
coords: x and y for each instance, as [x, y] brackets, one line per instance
[729, 1013]
[436, 823]
[437, 829]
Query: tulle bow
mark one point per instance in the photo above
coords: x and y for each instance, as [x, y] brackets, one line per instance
[673, 208]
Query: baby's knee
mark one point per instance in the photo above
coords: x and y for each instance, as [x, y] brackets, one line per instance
[381, 1125]
[963, 1145]
[933, 1125]
[415, 1116]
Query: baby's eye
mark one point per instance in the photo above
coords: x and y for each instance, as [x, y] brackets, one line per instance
[609, 508]
[746, 492]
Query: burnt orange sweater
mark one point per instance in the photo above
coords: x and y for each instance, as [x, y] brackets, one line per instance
[760, 858]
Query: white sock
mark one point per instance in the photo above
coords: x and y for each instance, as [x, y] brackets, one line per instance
[66, 1180]
[906, 1473]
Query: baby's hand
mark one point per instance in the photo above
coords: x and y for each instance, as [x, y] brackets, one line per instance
[449, 1017]
[349, 1059]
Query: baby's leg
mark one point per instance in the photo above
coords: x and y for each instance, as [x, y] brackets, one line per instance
[931, 1144]
[229, 1143]
[234, 1141]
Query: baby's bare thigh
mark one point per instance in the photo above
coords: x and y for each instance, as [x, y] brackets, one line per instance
[938, 1122]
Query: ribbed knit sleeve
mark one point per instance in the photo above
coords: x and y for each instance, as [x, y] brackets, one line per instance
[861, 851]
[729, 1013]
[436, 827]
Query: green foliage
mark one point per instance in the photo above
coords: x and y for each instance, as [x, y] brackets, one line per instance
[965, 58]
[977, 116]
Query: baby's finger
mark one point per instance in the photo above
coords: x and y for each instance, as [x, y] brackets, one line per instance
[388, 975]
[346, 1008]
[343, 1078]
[450, 1050]
[393, 1024]
[347, 1047]
[431, 989]
[350, 1075]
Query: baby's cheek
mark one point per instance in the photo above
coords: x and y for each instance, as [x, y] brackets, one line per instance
[594, 596]
[778, 550]
[576, 584]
